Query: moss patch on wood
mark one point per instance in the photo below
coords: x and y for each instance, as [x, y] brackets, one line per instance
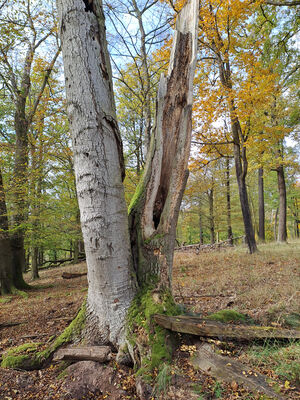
[27, 357]
[228, 316]
[152, 342]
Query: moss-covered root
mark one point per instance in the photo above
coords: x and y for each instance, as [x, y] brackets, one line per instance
[149, 344]
[28, 356]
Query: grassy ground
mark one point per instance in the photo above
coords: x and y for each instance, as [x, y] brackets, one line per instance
[264, 286]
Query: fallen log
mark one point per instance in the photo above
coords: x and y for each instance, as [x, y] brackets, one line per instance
[71, 275]
[231, 371]
[209, 246]
[208, 328]
[93, 353]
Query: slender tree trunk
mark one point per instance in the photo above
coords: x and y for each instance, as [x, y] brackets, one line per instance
[210, 195]
[261, 205]
[240, 156]
[296, 217]
[228, 203]
[200, 225]
[241, 171]
[282, 231]
[6, 264]
[34, 263]
[147, 83]
[275, 223]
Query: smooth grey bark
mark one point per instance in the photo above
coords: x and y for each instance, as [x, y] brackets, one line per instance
[282, 231]
[261, 205]
[99, 167]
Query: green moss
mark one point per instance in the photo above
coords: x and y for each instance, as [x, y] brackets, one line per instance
[18, 357]
[228, 316]
[71, 332]
[157, 351]
[137, 195]
[15, 357]
[21, 293]
[5, 300]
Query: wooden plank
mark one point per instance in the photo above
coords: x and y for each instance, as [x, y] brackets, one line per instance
[92, 353]
[208, 328]
[232, 371]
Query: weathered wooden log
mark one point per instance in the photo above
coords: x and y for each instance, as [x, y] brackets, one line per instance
[208, 328]
[71, 275]
[232, 371]
[93, 353]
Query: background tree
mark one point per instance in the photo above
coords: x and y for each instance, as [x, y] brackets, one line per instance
[16, 77]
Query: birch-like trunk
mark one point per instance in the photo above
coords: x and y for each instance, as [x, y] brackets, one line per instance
[155, 207]
[98, 163]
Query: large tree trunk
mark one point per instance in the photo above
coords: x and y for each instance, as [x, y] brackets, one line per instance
[99, 167]
[20, 184]
[282, 231]
[98, 161]
[6, 265]
[261, 205]
[154, 210]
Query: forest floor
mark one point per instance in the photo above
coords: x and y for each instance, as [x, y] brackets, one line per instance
[265, 286]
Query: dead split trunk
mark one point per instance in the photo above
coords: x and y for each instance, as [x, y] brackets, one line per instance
[154, 211]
